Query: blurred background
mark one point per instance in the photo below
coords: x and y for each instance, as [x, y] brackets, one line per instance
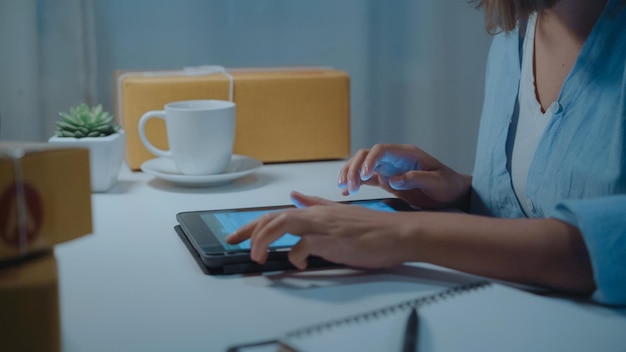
[416, 66]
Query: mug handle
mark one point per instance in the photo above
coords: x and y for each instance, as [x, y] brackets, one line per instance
[142, 133]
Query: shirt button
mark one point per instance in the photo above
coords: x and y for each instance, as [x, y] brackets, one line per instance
[530, 205]
[555, 107]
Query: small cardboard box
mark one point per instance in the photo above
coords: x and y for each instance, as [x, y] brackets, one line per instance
[45, 197]
[283, 114]
[29, 305]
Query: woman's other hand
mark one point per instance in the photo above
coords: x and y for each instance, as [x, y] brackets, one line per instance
[408, 173]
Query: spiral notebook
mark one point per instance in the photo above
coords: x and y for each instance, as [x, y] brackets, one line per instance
[478, 316]
[376, 330]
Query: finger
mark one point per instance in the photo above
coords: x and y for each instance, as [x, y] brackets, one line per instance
[302, 201]
[307, 246]
[242, 233]
[299, 253]
[368, 165]
[374, 181]
[261, 223]
[353, 176]
[413, 179]
[376, 158]
[342, 180]
[294, 221]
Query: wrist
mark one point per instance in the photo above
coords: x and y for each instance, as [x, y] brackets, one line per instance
[464, 184]
[410, 232]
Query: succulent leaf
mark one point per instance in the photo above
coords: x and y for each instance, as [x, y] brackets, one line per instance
[101, 128]
[84, 118]
[65, 126]
[83, 130]
[67, 118]
[108, 118]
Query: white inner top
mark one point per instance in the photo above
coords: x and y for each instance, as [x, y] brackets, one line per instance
[531, 122]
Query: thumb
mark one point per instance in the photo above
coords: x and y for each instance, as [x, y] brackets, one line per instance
[412, 180]
[302, 201]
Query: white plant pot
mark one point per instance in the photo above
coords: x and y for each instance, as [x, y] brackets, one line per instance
[106, 155]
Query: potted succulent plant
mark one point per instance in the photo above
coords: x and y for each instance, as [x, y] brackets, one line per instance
[95, 129]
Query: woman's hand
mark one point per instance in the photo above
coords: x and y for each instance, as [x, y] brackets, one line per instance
[408, 173]
[343, 234]
[543, 252]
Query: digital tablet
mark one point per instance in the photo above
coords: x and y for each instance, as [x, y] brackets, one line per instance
[204, 233]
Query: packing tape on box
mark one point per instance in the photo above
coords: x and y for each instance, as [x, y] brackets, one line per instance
[21, 235]
[45, 197]
[203, 70]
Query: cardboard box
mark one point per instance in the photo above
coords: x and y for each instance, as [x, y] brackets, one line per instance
[29, 305]
[283, 114]
[45, 197]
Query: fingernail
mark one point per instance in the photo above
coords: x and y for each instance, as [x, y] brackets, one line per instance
[364, 173]
[396, 182]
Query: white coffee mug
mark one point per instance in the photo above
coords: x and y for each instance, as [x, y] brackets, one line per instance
[200, 133]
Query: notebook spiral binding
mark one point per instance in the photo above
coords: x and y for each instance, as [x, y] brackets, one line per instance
[391, 309]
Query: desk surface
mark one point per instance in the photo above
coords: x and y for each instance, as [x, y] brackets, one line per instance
[133, 286]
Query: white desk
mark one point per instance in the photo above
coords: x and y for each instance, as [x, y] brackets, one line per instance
[133, 286]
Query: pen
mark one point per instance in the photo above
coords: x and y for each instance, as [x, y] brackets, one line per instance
[410, 334]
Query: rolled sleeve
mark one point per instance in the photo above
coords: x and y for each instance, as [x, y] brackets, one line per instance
[602, 223]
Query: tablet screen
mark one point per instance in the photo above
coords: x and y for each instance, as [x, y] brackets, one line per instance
[224, 222]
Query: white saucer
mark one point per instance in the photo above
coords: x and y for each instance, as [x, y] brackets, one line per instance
[164, 168]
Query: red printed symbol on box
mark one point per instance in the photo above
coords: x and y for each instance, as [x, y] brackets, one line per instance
[10, 231]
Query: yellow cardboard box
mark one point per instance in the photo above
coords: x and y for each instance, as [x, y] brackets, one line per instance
[283, 114]
[29, 305]
[45, 197]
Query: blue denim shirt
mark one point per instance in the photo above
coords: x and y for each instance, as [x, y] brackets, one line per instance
[578, 173]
